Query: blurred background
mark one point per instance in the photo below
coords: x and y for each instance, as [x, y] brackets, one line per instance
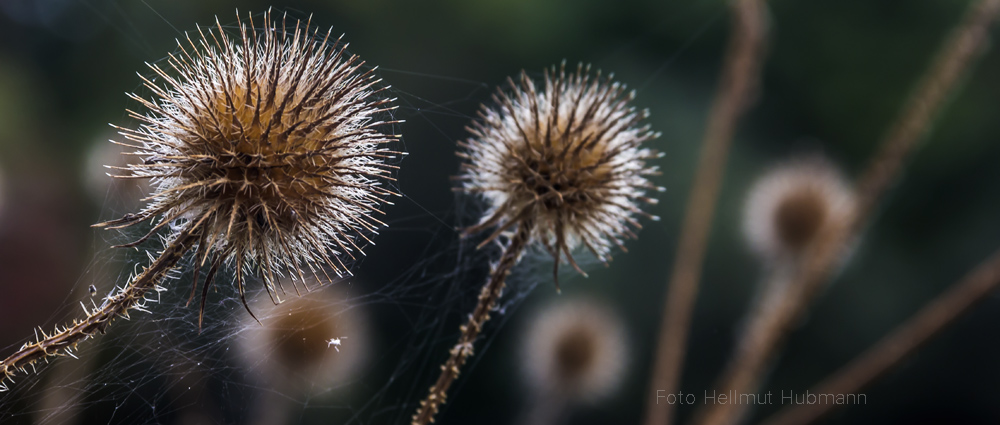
[836, 74]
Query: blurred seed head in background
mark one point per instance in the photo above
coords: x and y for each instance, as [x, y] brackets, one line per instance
[316, 342]
[575, 350]
[789, 205]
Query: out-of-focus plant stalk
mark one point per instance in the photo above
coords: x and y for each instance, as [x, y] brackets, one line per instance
[740, 75]
[891, 349]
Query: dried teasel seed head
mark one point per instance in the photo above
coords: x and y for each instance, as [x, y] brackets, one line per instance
[273, 144]
[788, 207]
[576, 349]
[568, 157]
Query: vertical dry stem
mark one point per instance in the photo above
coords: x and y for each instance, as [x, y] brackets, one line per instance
[463, 349]
[909, 336]
[747, 366]
[739, 78]
[62, 342]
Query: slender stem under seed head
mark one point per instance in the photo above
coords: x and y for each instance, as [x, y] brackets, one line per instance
[62, 342]
[463, 349]
[740, 76]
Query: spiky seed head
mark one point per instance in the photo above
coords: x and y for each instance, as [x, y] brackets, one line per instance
[567, 157]
[576, 349]
[273, 143]
[788, 207]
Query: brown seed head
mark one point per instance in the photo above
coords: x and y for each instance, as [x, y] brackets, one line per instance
[567, 157]
[272, 144]
[301, 335]
[576, 349]
[799, 217]
[312, 342]
[788, 207]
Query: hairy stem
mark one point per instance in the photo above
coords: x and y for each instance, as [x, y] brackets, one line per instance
[739, 79]
[746, 367]
[62, 342]
[908, 337]
[463, 349]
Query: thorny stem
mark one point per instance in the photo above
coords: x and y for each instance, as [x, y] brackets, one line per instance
[739, 80]
[909, 336]
[62, 342]
[746, 368]
[464, 348]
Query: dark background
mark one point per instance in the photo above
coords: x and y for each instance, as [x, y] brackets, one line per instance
[836, 75]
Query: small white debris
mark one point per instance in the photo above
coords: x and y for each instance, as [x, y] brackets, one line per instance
[335, 343]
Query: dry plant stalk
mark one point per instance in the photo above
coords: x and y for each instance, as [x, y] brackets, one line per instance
[463, 349]
[744, 372]
[266, 153]
[565, 167]
[739, 79]
[63, 341]
[906, 338]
